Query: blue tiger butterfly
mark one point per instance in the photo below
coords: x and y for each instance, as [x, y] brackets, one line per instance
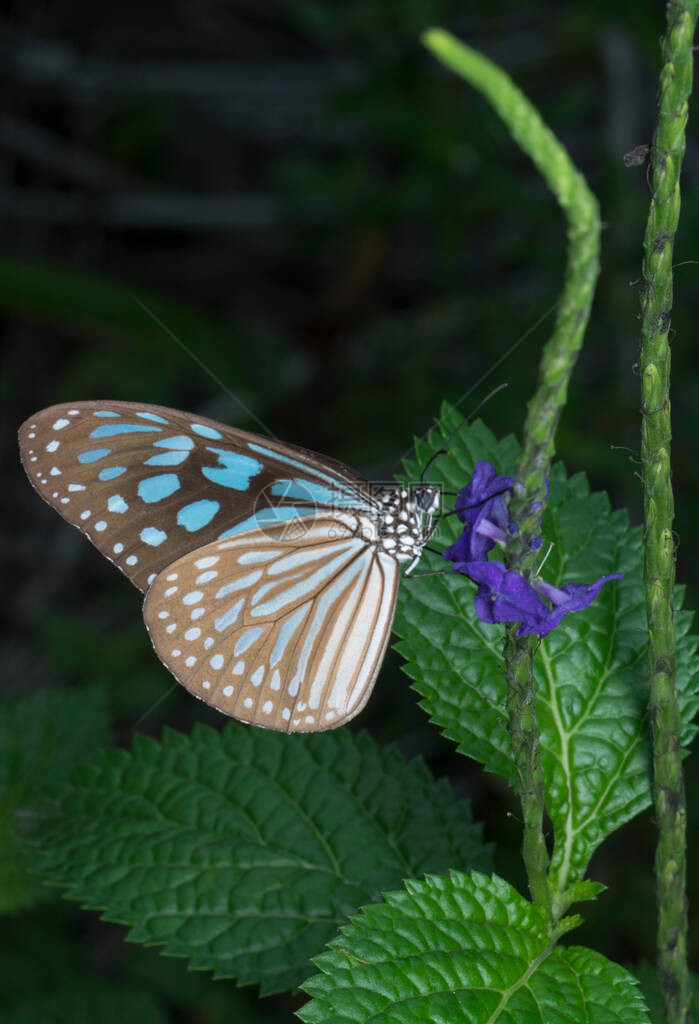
[270, 572]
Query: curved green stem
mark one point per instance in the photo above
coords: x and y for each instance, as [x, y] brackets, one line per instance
[557, 363]
[658, 508]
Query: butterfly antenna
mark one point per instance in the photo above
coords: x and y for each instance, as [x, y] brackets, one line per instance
[474, 504]
[445, 450]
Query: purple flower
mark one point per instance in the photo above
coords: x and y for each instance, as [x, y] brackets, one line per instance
[503, 595]
[481, 508]
[484, 486]
[571, 597]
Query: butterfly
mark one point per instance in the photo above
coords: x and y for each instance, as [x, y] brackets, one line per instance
[270, 572]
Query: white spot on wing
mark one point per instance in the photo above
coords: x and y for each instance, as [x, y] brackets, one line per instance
[217, 661]
[60, 424]
[249, 637]
[240, 584]
[256, 556]
[228, 617]
[192, 597]
[206, 563]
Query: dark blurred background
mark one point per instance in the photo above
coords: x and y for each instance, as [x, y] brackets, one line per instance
[342, 234]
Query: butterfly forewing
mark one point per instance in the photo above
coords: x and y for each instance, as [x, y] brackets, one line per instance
[279, 628]
[148, 484]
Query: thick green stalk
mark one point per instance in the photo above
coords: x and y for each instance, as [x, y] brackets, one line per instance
[670, 809]
[524, 736]
[558, 359]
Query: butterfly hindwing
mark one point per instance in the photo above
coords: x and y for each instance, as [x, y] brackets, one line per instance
[278, 630]
[148, 484]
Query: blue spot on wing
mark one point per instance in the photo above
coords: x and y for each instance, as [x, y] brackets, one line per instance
[117, 504]
[111, 472]
[200, 428]
[266, 516]
[290, 461]
[110, 429]
[306, 490]
[153, 536]
[173, 458]
[155, 488]
[181, 442]
[355, 496]
[103, 413]
[198, 514]
[236, 471]
[93, 455]
[152, 416]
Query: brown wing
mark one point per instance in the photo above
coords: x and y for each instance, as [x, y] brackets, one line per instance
[283, 632]
[147, 484]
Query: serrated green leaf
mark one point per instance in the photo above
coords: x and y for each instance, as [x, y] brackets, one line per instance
[464, 949]
[583, 890]
[590, 671]
[41, 738]
[246, 850]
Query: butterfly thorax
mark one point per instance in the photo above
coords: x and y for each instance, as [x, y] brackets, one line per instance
[406, 519]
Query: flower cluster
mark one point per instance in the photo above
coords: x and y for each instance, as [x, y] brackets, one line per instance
[503, 595]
